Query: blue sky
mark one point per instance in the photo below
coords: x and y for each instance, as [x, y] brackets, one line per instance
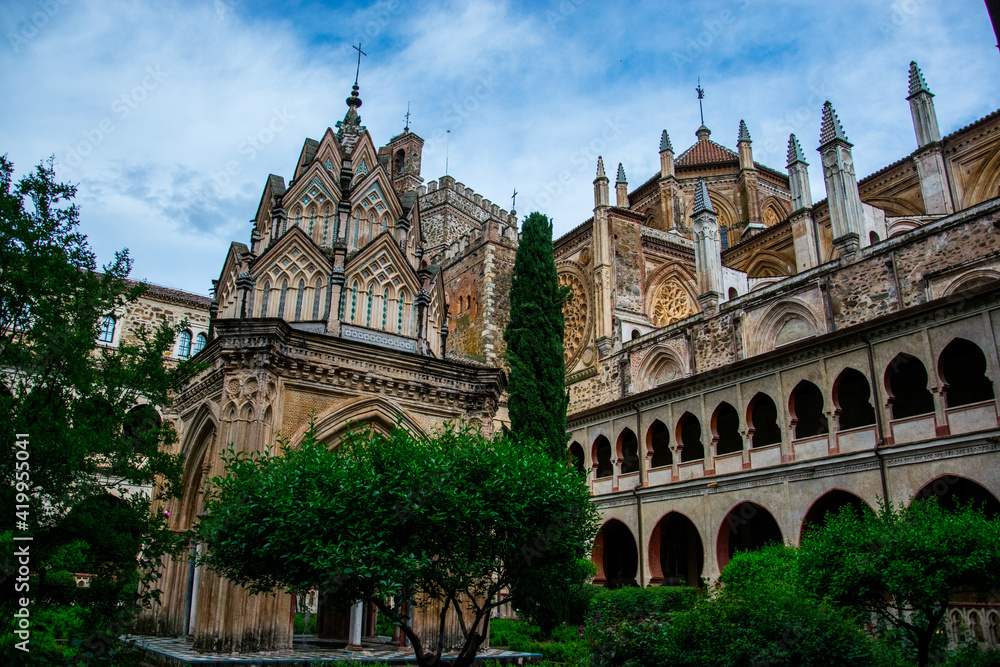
[170, 115]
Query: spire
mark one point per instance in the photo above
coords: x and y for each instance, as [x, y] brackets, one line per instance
[830, 128]
[744, 132]
[917, 83]
[795, 153]
[702, 202]
[600, 168]
[665, 144]
[621, 174]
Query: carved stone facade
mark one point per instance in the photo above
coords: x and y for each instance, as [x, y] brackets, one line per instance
[757, 373]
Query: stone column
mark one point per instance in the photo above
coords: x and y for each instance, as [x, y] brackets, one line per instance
[929, 158]
[603, 286]
[357, 620]
[707, 253]
[844, 200]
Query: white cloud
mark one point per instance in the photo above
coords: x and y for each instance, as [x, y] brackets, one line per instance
[185, 107]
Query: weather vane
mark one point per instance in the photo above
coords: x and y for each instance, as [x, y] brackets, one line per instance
[407, 128]
[701, 96]
[360, 53]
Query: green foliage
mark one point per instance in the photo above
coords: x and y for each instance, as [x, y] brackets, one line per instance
[300, 624]
[534, 337]
[71, 397]
[455, 518]
[564, 597]
[629, 626]
[568, 646]
[971, 656]
[903, 565]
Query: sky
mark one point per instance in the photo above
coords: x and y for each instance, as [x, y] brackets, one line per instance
[170, 115]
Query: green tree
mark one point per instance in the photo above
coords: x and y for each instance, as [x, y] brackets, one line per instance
[71, 399]
[534, 336]
[451, 520]
[903, 565]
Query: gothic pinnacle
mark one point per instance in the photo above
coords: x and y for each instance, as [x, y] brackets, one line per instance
[665, 144]
[744, 132]
[830, 128]
[621, 174]
[917, 83]
[795, 153]
[600, 168]
[702, 202]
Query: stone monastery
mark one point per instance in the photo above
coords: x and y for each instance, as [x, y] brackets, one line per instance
[740, 358]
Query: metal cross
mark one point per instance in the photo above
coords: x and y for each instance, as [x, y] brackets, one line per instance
[513, 199]
[407, 128]
[360, 53]
[701, 96]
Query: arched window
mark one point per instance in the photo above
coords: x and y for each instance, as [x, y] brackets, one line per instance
[733, 293]
[963, 369]
[385, 307]
[602, 455]
[850, 400]
[298, 300]
[806, 407]
[689, 429]
[106, 332]
[658, 441]
[316, 295]
[263, 300]
[906, 380]
[635, 334]
[184, 345]
[762, 421]
[281, 299]
[628, 447]
[200, 341]
[873, 238]
[399, 161]
[747, 527]
[576, 456]
[726, 429]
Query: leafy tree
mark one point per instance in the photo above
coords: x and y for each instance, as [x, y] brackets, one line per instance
[904, 565]
[553, 598]
[451, 520]
[534, 337]
[762, 616]
[71, 397]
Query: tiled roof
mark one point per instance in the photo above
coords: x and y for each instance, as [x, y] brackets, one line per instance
[706, 151]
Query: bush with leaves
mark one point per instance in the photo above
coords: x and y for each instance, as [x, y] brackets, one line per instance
[903, 565]
[71, 397]
[452, 520]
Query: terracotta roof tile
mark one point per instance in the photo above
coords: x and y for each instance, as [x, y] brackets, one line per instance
[706, 152]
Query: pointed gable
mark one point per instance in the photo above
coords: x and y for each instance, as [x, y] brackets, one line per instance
[329, 154]
[226, 288]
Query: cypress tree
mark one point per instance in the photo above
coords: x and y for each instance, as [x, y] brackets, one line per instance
[534, 337]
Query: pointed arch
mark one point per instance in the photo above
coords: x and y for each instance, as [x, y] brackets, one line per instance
[375, 411]
[661, 365]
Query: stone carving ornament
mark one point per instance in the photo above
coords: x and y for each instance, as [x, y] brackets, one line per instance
[575, 315]
[671, 304]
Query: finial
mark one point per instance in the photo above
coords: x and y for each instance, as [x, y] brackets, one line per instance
[621, 174]
[701, 96]
[702, 202]
[513, 201]
[795, 153]
[830, 128]
[665, 144]
[406, 128]
[917, 83]
[358, 71]
[600, 167]
[744, 132]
